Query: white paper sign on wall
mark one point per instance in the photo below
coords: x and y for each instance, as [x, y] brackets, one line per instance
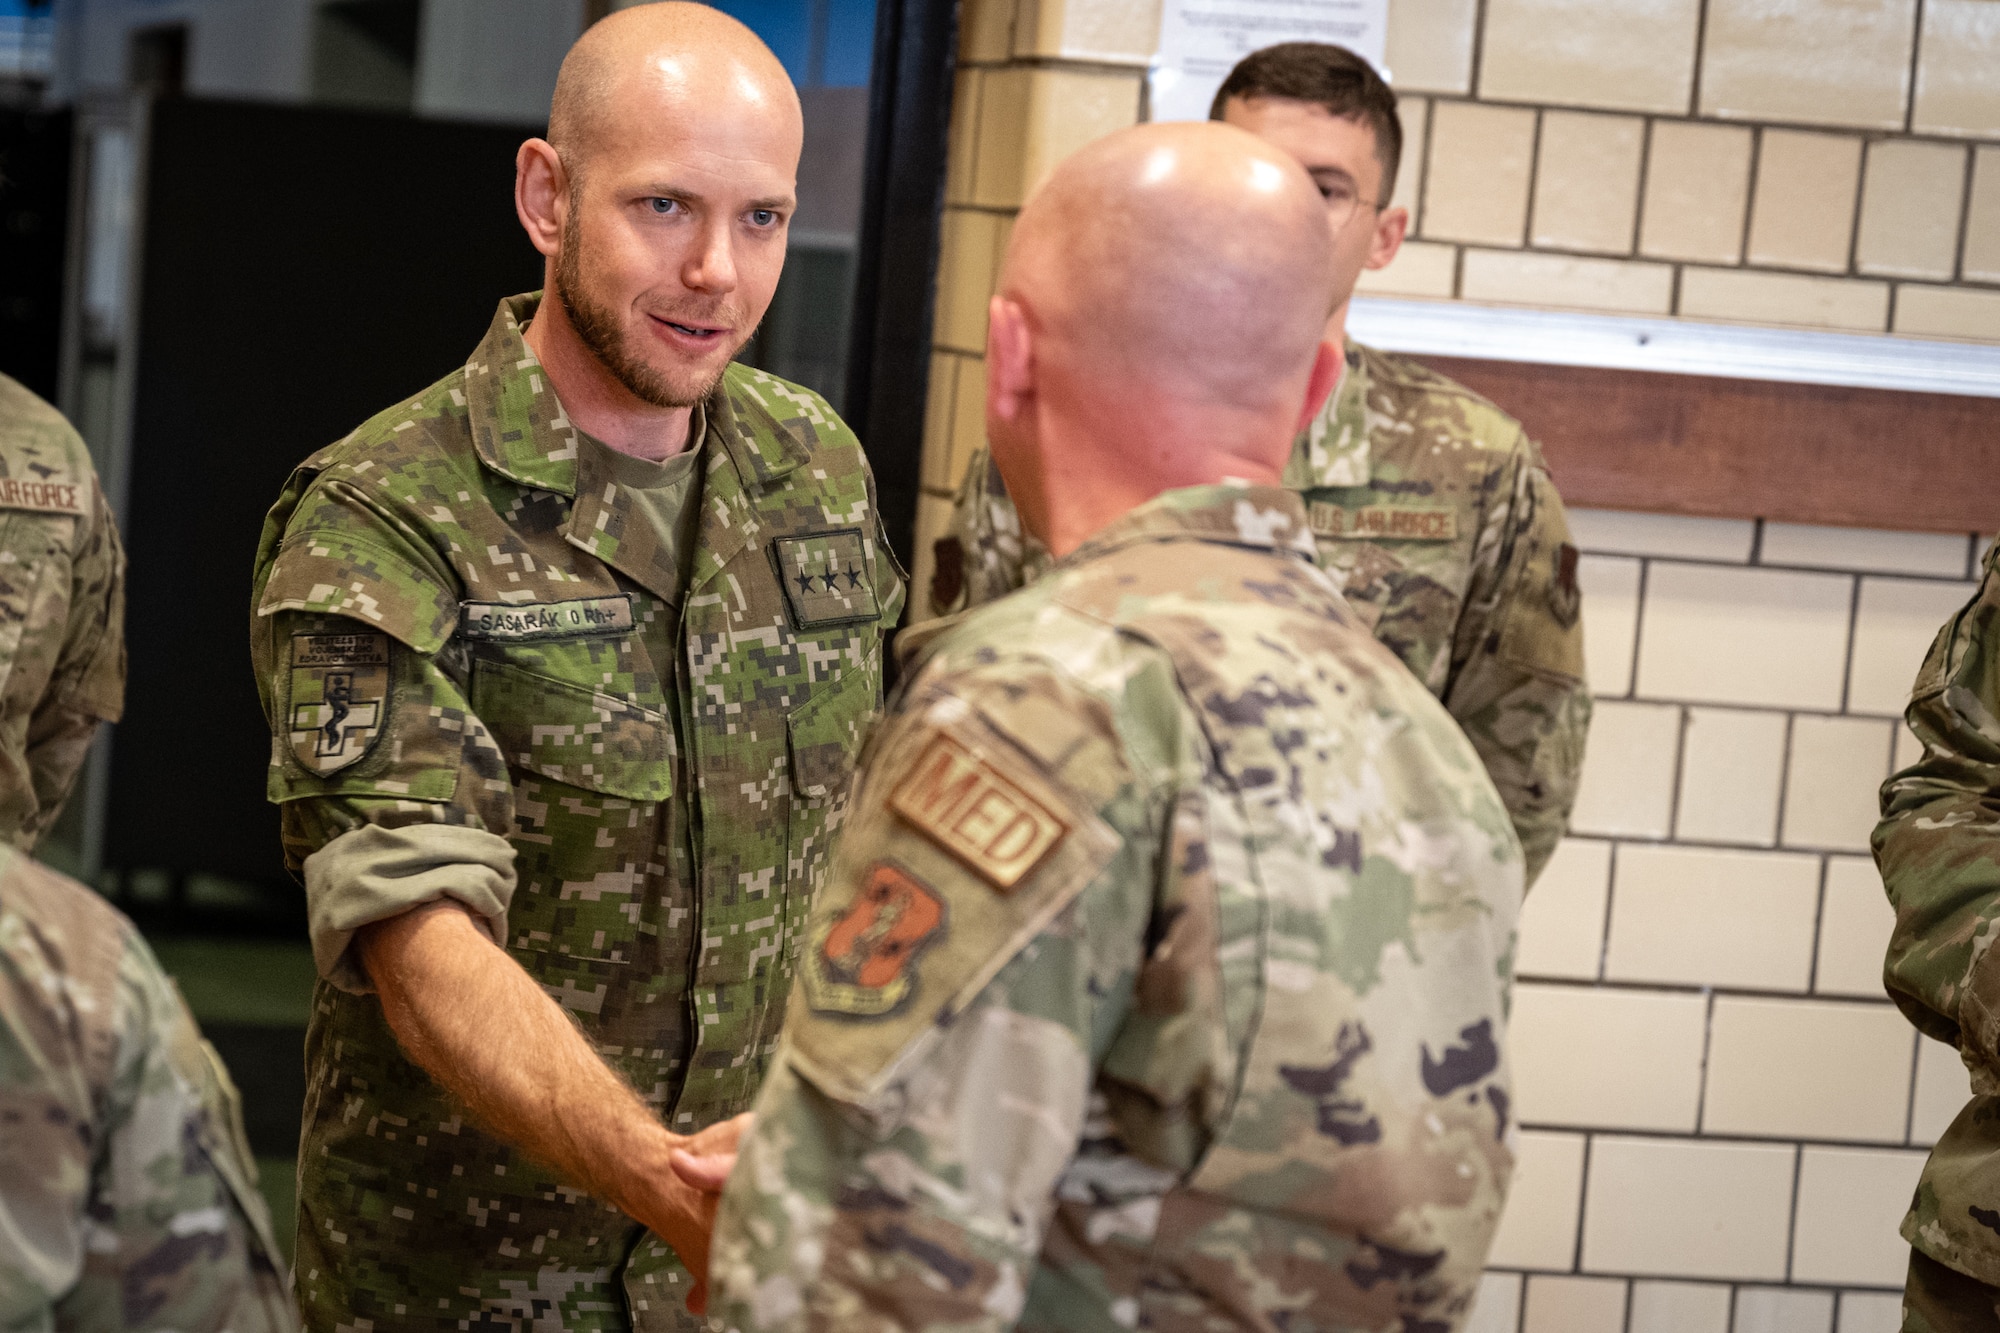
[1201, 40]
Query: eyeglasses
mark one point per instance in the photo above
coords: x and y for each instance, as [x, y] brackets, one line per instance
[1343, 201]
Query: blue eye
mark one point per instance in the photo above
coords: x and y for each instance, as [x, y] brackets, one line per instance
[763, 217]
[662, 205]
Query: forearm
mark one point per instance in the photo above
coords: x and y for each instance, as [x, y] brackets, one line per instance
[474, 1020]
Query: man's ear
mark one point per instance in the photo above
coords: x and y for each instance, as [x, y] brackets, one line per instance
[1010, 361]
[541, 194]
[1390, 226]
[1325, 374]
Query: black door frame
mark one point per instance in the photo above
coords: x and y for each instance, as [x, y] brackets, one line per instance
[895, 284]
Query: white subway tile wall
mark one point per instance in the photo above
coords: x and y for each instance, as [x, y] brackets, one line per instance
[1723, 1115]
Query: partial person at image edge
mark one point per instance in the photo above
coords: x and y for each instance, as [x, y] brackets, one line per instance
[1938, 847]
[128, 1195]
[1429, 505]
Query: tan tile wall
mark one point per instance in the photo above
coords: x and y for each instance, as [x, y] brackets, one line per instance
[1807, 163]
[1722, 1116]
[1036, 80]
[1829, 164]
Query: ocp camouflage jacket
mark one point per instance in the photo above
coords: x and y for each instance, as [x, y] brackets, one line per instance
[1434, 513]
[1162, 978]
[1938, 847]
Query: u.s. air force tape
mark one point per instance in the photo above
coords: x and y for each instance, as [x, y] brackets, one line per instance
[546, 620]
[44, 497]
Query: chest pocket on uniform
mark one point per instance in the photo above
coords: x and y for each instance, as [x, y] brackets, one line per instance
[539, 702]
[825, 734]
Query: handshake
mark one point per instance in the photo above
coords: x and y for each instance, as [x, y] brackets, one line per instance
[680, 1204]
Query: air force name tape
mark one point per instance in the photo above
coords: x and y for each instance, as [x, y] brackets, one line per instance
[44, 497]
[1385, 522]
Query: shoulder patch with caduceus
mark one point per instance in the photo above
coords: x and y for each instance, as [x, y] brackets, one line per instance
[340, 698]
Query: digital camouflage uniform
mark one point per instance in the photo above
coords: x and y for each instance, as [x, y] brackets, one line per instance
[449, 631]
[62, 612]
[1434, 513]
[1938, 847]
[128, 1195]
[1162, 979]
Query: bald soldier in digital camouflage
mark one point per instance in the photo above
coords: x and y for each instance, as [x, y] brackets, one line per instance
[1162, 978]
[1429, 506]
[1938, 847]
[566, 661]
[127, 1191]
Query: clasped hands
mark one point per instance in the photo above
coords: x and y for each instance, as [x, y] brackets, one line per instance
[682, 1206]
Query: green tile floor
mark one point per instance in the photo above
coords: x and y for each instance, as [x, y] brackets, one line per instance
[251, 998]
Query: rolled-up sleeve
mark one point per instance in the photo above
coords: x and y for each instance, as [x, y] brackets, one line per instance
[372, 873]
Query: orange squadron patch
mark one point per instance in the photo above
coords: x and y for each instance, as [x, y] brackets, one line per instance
[860, 961]
[965, 805]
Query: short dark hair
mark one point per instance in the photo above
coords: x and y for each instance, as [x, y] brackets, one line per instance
[1329, 76]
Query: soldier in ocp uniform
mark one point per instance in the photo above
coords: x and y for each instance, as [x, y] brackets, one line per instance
[62, 613]
[1162, 978]
[128, 1197]
[1938, 847]
[128, 1194]
[1428, 504]
[566, 660]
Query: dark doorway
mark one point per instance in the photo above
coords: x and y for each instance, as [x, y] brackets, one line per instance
[156, 62]
[34, 208]
[303, 269]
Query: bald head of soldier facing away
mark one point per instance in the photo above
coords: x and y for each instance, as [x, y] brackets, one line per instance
[1158, 324]
[660, 202]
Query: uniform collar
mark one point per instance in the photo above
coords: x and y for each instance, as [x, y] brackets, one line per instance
[520, 430]
[1333, 449]
[1270, 517]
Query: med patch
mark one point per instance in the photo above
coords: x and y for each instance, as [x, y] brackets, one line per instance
[339, 698]
[826, 577]
[963, 802]
[860, 961]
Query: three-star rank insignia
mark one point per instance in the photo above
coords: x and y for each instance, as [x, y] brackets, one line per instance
[860, 960]
[826, 577]
[340, 698]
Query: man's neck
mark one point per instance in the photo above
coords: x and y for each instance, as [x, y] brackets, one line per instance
[593, 398]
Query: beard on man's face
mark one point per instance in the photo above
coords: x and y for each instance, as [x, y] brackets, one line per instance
[596, 322]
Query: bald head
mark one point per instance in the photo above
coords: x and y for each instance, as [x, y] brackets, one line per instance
[651, 60]
[1159, 324]
[1193, 257]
